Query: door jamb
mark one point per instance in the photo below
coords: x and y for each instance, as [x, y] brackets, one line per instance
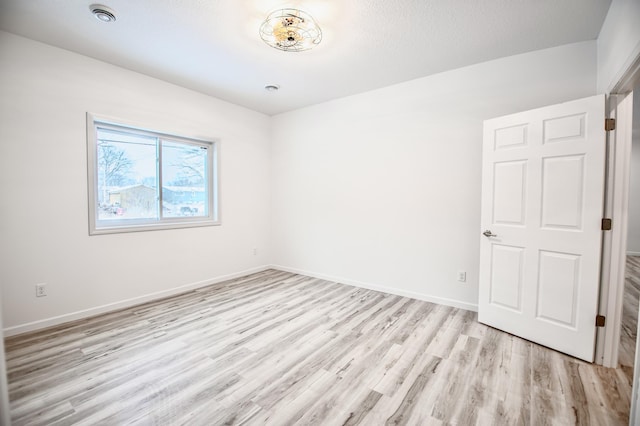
[615, 241]
[614, 261]
[5, 418]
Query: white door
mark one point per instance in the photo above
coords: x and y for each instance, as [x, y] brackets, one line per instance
[542, 203]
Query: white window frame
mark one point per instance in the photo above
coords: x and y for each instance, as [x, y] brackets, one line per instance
[97, 226]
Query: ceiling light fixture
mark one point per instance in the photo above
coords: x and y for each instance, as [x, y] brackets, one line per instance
[291, 30]
[103, 13]
[271, 87]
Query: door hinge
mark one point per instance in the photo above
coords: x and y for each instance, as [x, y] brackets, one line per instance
[600, 319]
[606, 224]
[609, 124]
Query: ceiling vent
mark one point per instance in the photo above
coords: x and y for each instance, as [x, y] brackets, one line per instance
[103, 13]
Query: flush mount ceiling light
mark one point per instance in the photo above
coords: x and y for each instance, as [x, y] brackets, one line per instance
[272, 87]
[103, 13]
[291, 30]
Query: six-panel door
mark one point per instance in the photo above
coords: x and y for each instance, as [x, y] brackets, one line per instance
[542, 198]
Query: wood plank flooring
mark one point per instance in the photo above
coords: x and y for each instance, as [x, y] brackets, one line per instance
[277, 348]
[630, 313]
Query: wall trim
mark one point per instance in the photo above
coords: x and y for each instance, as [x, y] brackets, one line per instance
[628, 75]
[123, 304]
[390, 290]
[633, 253]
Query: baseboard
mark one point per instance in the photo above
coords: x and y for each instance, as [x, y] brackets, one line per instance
[391, 290]
[73, 316]
[633, 253]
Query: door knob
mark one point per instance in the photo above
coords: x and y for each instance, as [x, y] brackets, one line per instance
[488, 233]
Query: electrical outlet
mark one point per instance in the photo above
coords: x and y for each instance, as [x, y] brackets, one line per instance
[255, 251]
[462, 276]
[41, 290]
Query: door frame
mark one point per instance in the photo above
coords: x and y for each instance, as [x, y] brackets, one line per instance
[615, 241]
[5, 418]
[616, 208]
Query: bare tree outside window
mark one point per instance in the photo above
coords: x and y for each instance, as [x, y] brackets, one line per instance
[114, 166]
[191, 166]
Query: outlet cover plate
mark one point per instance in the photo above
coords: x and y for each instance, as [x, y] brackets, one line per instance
[41, 290]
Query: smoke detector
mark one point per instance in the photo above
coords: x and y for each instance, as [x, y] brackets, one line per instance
[103, 13]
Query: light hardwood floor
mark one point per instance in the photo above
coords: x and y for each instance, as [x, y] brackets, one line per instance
[630, 313]
[279, 348]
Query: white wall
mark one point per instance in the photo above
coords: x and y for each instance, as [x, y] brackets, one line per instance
[618, 42]
[383, 189]
[44, 95]
[633, 236]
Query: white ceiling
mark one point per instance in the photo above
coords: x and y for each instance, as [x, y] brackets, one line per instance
[213, 46]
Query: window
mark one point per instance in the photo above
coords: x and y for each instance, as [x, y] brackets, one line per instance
[143, 180]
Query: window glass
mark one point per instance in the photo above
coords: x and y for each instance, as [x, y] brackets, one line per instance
[126, 175]
[184, 180]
